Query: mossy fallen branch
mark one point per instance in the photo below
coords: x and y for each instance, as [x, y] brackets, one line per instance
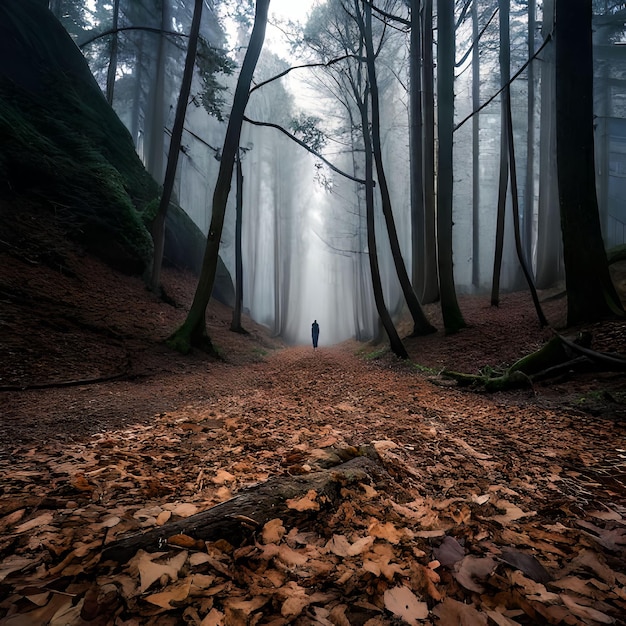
[560, 354]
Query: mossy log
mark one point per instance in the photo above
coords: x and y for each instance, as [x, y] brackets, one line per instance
[559, 354]
[238, 518]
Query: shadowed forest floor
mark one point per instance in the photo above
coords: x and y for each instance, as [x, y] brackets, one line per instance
[472, 508]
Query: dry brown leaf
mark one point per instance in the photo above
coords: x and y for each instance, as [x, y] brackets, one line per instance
[585, 612]
[222, 477]
[527, 564]
[451, 611]
[449, 552]
[339, 545]
[385, 531]
[613, 540]
[533, 590]
[500, 620]
[577, 585]
[41, 520]
[214, 618]
[163, 517]
[201, 581]
[273, 531]
[185, 509]
[403, 603]
[15, 563]
[291, 557]
[149, 571]
[241, 608]
[12, 518]
[424, 579]
[513, 512]
[471, 570]
[306, 503]
[296, 600]
[80, 483]
[369, 491]
[173, 593]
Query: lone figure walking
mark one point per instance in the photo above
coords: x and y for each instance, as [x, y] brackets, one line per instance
[315, 332]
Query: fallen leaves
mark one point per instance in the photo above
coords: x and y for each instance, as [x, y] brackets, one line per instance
[452, 528]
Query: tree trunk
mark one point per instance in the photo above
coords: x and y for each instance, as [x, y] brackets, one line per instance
[236, 322]
[430, 291]
[515, 206]
[193, 331]
[475, 149]
[505, 77]
[591, 295]
[452, 317]
[415, 150]
[529, 193]
[158, 225]
[112, 70]
[549, 246]
[395, 342]
[421, 325]
[156, 124]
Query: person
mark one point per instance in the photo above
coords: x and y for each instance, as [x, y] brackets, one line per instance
[315, 332]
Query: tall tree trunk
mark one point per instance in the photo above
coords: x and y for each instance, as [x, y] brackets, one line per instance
[430, 291]
[156, 126]
[421, 325]
[505, 77]
[452, 317]
[395, 342]
[549, 244]
[112, 70]
[158, 225]
[193, 331]
[591, 295]
[475, 149]
[235, 325]
[137, 91]
[529, 193]
[415, 150]
[515, 206]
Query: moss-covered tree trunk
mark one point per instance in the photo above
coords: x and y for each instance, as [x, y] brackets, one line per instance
[193, 331]
[591, 294]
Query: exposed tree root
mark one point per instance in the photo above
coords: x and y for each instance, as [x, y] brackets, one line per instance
[557, 356]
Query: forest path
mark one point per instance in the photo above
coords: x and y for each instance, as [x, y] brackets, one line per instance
[481, 473]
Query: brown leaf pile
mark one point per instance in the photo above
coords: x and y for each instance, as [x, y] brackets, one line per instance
[474, 520]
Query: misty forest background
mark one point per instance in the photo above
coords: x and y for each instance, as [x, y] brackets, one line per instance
[382, 157]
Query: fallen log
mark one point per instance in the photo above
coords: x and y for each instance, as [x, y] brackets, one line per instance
[236, 519]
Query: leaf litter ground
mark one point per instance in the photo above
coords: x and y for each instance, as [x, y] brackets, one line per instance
[501, 509]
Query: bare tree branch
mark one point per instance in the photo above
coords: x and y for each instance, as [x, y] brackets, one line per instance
[308, 148]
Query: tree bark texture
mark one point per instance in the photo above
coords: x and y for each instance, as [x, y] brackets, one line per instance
[452, 317]
[430, 291]
[591, 295]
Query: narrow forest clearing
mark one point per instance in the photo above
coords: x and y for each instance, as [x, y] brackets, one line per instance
[448, 507]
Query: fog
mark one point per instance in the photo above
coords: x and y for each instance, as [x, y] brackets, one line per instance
[304, 243]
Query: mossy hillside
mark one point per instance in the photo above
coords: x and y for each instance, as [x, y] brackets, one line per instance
[62, 145]
[43, 157]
